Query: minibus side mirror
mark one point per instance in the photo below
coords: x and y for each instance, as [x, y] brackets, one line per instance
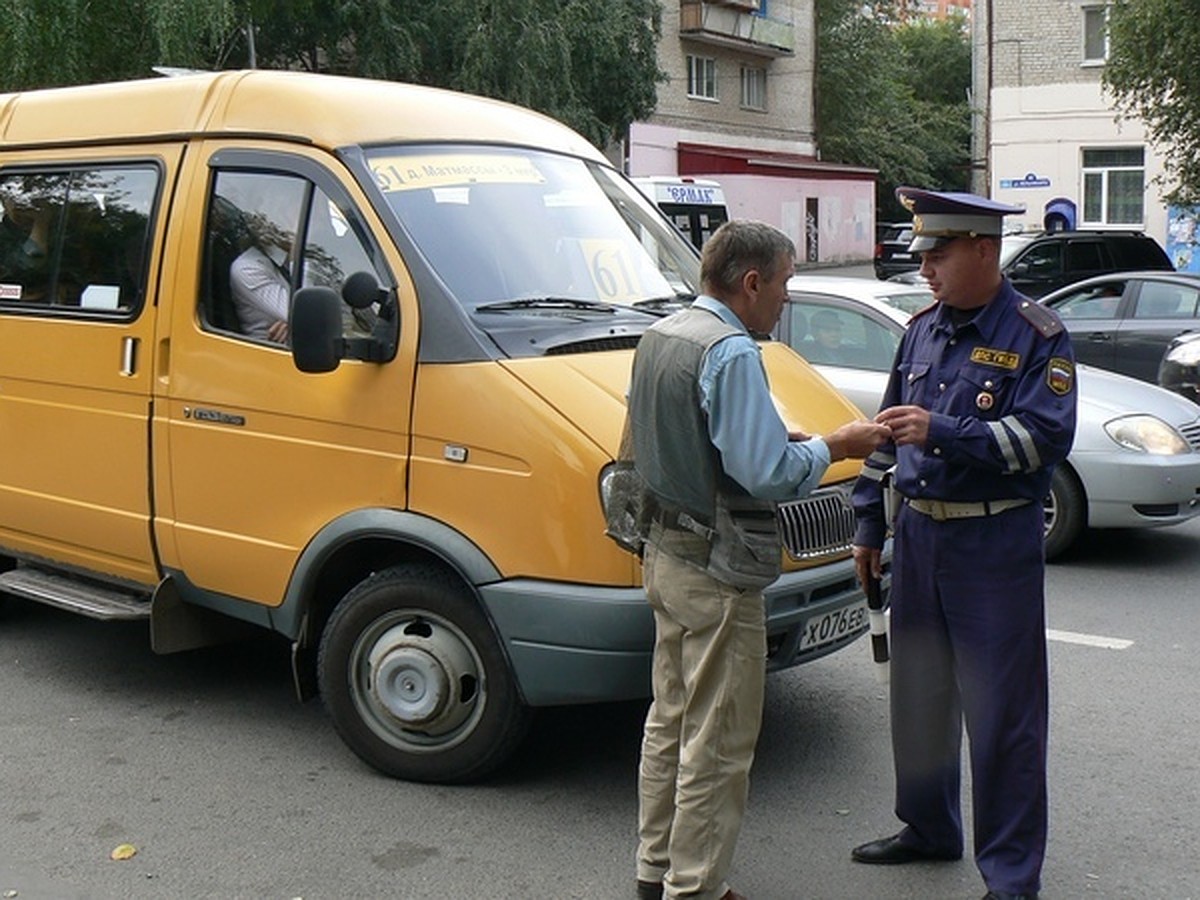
[360, 291]
[316, 329]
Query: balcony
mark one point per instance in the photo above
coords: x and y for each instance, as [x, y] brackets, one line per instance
[729, 24]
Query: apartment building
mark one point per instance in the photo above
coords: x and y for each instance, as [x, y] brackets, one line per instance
[1047, 136]
[738, 108]
[933, 9]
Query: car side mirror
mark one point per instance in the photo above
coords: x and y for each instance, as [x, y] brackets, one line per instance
[316, 329]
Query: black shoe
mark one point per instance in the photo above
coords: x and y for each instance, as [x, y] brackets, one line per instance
[649, 890]
[890, 851]
[1004, 895]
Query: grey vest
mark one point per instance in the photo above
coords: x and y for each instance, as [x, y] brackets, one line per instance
[685, 485]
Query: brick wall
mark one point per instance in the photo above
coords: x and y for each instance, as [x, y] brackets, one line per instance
[1039, 42]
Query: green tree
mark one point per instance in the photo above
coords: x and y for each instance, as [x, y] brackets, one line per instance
[1153, 75]
[592, 65]
[893, 96]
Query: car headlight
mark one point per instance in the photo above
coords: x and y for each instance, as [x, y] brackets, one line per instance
[1187, 353]
[1146, 434]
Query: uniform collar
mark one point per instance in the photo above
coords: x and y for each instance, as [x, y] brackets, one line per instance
[989, 317]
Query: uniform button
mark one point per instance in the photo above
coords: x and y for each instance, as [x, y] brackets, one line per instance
[988, 385]
[942, 386]
[924, 483]
[911, 376]
[937, 451]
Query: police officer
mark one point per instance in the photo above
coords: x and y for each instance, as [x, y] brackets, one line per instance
[981, 406]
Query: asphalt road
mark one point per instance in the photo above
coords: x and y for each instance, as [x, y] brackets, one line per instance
[227, 787]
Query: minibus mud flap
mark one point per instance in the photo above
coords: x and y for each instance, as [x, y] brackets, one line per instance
[176, 626]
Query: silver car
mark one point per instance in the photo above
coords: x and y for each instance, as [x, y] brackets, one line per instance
[1136, 458]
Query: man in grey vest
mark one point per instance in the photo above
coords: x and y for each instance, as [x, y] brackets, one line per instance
[715, 457]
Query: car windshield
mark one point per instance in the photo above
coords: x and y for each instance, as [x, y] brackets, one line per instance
[516, 232]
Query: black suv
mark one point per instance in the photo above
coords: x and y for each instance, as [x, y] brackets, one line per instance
[1040, 262]
[891, 250]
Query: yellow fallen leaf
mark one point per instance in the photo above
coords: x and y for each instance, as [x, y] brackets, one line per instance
[124, 851]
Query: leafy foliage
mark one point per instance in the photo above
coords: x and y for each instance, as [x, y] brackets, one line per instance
[592, 65]
[893, 96]
[1152, 73]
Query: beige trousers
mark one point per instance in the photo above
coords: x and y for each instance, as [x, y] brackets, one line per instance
[702, 726]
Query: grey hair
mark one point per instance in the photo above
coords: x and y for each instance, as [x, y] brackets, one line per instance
[737, 247]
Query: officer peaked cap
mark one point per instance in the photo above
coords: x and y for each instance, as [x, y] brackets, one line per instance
[939, 217]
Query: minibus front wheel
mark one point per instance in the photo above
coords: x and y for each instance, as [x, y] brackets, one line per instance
[416, 681]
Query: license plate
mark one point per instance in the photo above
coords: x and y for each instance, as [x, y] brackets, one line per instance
[901, 256]
[834, 625]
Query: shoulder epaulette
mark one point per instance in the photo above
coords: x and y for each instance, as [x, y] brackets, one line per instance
[1046, 322]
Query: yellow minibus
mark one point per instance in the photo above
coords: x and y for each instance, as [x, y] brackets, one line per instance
[407, 484]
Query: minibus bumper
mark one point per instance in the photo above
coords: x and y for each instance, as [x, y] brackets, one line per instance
[584, 644]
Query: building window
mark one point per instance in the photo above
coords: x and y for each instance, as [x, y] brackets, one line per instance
[1114, 186]
[702, 77]
[1095, 34]
[754, 88]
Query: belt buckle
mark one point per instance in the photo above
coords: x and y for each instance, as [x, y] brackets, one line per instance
[937, 510]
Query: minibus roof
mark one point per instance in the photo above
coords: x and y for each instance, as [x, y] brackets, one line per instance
[326, 110]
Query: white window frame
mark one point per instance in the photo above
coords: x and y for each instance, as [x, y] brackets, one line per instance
[702, 77]
[1104, 173]
[754, 88]
[1090, 13]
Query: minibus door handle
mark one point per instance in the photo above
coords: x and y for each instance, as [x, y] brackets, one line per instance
[128, 355]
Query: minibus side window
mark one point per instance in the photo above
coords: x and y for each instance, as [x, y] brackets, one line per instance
[252, 221]
[254, 261]
[333, 251]
[76, 239]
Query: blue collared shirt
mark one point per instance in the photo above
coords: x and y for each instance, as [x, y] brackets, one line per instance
[743, 423]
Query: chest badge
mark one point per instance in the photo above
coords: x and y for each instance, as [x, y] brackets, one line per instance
[1001, 359]
[985, 401]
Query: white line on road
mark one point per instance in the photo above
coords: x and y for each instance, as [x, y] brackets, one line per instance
[1089, 640]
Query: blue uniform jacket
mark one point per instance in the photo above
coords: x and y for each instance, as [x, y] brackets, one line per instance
[1001, 390]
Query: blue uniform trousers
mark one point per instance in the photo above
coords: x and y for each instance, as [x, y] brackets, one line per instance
[969, 644]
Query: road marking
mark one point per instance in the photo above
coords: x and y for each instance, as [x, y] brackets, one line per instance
[1089, 640]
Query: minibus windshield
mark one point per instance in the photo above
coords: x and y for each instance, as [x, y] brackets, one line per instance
[520, 232]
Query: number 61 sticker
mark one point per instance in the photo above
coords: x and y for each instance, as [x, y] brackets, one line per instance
[612, 272]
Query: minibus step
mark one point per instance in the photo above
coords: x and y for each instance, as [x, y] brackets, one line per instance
[76, 595]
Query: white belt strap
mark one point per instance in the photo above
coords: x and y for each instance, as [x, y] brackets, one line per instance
[941, 510]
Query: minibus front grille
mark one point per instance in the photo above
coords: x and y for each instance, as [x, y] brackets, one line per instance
[819, 526]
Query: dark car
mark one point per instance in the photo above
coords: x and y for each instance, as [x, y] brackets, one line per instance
[1179, 370]
[891, 250]
[1044, 261]
[1124, 321]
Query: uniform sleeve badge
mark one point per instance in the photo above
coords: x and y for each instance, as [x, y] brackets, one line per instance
[1060, 375]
